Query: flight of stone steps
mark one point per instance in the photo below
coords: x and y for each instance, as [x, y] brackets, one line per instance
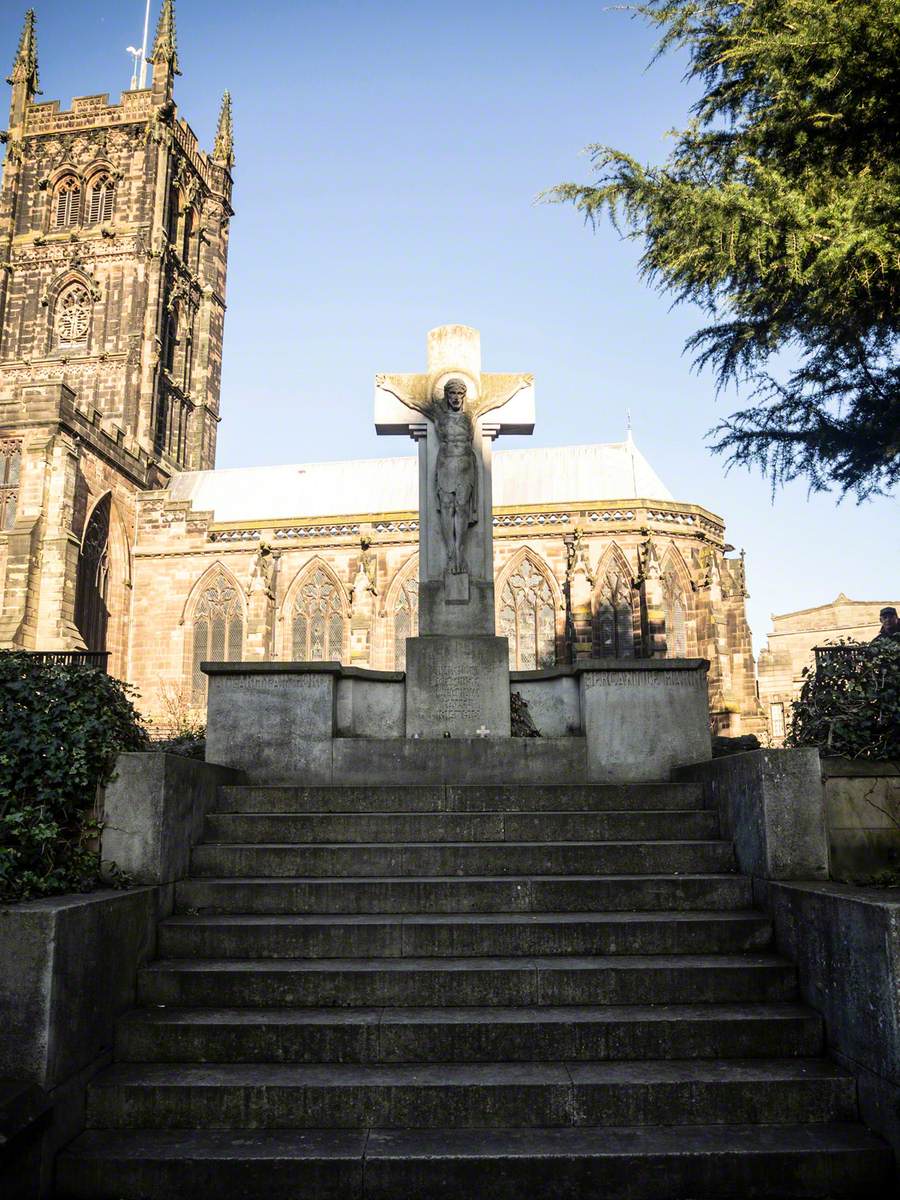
[422, 993]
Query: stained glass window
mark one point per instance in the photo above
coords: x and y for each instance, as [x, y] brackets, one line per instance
[406, 620]
[218, 631]
[614, 617]
[528, 618]
[318, 625]
[676, 616]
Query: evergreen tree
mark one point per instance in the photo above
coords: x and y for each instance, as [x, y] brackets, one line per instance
[778, 212]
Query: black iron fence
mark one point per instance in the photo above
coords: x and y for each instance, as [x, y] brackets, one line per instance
[97, 660]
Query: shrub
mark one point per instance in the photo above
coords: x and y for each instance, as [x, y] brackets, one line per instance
[850, 704]
[61, 728]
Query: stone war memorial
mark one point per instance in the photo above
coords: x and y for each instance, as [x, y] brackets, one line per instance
[458, 902]
[601, 720]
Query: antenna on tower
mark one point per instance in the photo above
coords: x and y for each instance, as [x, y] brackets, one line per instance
[628, 424]
[144, 45]
[139, 55]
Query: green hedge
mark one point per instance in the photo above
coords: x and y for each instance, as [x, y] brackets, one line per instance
[61, 728]
[850, 704]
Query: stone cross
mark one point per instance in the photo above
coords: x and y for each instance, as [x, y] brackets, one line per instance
[454, 412]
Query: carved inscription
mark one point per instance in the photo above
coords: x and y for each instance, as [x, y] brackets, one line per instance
[638, 679]
[454, 687]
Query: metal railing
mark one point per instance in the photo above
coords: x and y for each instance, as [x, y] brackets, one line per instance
[97, 660]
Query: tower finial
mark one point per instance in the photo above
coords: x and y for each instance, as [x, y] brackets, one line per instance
[25, 65]
[165, 48]
[223, 147]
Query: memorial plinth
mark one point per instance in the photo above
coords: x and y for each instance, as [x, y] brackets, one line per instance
[446, 720]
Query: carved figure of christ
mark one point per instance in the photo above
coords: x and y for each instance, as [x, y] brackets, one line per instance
[453, 412]
[456, 473]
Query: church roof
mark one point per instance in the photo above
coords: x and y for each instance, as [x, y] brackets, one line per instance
[551, 475]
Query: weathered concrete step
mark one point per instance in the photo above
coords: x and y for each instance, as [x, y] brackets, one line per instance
[208, 1035]
[471, 1095]
[455, 934]
[431, 982]
[412, 798]
[488, 894]
[578, 826]
[720, 1162]
[463, 858]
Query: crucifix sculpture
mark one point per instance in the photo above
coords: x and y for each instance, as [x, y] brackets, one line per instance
[454, 412]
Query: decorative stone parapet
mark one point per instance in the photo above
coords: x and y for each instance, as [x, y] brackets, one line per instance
[641, 717]
[633, 720]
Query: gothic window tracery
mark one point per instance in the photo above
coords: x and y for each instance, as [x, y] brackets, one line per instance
[218, 628]
[92, 580]
[614, 616]
[101, 199]
[10, 466]
[528, 618]
[317, 620]
[676, 615]
[406, 619]
[67, 202]
[73, 315]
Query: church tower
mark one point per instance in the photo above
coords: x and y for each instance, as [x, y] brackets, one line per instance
[113, 253]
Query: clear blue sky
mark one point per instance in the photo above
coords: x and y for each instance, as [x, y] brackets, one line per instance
[388, 156]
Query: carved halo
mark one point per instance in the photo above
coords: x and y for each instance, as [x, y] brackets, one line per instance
[441, 380]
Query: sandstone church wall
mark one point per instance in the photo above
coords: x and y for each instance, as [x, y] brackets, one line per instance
[185, 565]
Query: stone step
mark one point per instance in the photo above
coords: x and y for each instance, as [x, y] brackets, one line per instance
[411, 798]
[719, 1162]
[213, 1035]
[578, 826]
[463, 858]
[431, 982]
[487, 894]
[471, 1095]
[456, 934]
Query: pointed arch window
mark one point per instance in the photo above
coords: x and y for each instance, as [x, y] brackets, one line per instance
[318, 628]
[67, 203]
[676, 616]
[10, 466]
[406, 619]
[91, 612]
[73, 315]
[614, 617]
[218, 629]
[101, 198]
[528, 618]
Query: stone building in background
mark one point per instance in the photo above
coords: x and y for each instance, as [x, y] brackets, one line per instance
[116, 533]
[789, 650]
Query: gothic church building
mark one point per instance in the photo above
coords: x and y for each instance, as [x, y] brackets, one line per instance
[118, 535]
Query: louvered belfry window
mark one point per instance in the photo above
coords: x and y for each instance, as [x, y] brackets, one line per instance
[101, 200]
[67, 203]
[218, 634]
[528, 619]
[318, 621]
